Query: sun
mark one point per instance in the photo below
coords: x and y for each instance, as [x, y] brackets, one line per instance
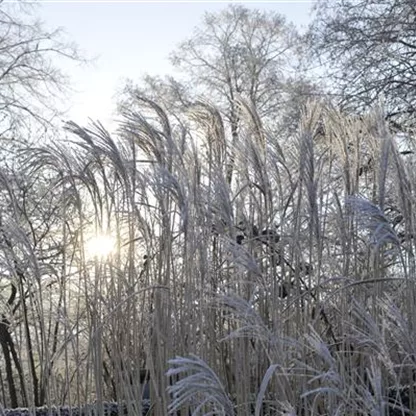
[101, 246]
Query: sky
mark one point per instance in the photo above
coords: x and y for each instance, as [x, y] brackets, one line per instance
[127, 39]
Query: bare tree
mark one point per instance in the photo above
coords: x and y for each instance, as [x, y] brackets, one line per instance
[241, 53]
[30, 83]
[236, 53]
[369, 50]
[30, 80]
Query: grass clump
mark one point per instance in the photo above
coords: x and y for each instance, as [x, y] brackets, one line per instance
[271, 276]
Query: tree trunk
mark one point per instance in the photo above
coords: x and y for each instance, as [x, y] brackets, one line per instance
[4, 332]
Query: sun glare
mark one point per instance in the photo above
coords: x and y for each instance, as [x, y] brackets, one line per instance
[101, 246]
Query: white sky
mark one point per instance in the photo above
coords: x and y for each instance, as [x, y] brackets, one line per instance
[132, 38]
